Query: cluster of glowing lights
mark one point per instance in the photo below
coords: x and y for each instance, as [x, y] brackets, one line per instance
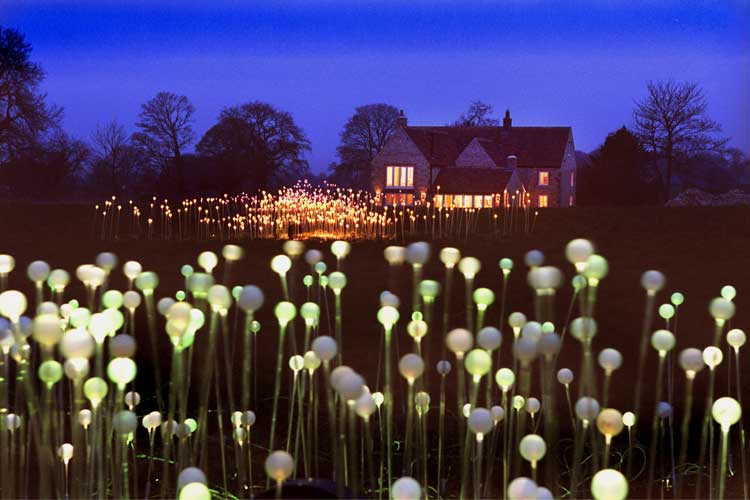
[508, 419]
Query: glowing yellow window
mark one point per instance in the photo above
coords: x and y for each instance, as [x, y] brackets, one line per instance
[389, 176]
[544, 178]
[448, 200]
[409, 176]
[467, 201]
[543, 201]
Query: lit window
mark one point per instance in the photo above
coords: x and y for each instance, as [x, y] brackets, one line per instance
[448, 200]
[399, 177]
[572, 179]
[544, 178]
[409, 199]
[488, 202]
[467, 201]
[478, 201]
[458, 200]
[439, 200]
[543, 201]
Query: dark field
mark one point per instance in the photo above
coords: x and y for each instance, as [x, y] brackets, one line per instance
[699, 250]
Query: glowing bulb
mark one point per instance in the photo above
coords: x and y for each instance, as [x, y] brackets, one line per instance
[121, 371]
[652, 281]
[726, 411]
[712, 356]
[469, 267]
[578, 251]
[411, 367]
[532, 448]
[505, 378]
[406, 488]
[208, 261]
[609, 484]
[285, 312]
[279, 466]
[394, 255]
[459, 341]
[480, 422]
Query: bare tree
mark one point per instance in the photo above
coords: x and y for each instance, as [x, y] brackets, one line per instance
[24, 113]
[478, 115]
[364, 135]
[111, 147]
[165, 124]
[672, 124]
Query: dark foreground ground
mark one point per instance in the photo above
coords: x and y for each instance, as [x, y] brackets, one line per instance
[699, 250]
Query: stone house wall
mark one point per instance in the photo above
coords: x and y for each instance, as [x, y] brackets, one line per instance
[401, 151]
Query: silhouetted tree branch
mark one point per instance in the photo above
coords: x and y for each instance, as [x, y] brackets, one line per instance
[672, 124]
[478, 115]
[363, 136]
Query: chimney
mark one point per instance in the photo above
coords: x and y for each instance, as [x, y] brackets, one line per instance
[511, 162]
[401, 120]
[507, 121]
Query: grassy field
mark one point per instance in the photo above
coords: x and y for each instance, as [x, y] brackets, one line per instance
[699, 250]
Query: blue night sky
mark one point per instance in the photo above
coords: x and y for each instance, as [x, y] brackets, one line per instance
[579, 63]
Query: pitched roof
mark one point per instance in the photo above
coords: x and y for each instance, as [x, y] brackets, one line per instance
[533, 146]
[469, 180]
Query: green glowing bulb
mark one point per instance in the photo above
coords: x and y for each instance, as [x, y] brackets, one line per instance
[323, 280]
[187, 270]
[504, 378]
[596, 268]
[429, 290]
[112, 299]
[285, 312]
[478, 362]
[337, 281]
[147, 282]
[677, 299]
[728, 292]
[180, 296]
[195, 491]
[417, 316]
[506, 265]
[320, 267]
[192, 424]
[255, 326]
[417, 329]
[578, 283]
[236, 291]
[310, 312]
[95, 389]
[307, 280]
[548, 327]
[666, 311]
[50, 372]
[483, 297]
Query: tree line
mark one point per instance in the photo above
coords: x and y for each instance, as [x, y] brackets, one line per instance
[672, 144]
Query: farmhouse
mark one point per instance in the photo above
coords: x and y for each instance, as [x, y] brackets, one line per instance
[485, 166]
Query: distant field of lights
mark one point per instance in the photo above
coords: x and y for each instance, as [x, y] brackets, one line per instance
[303, 212]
